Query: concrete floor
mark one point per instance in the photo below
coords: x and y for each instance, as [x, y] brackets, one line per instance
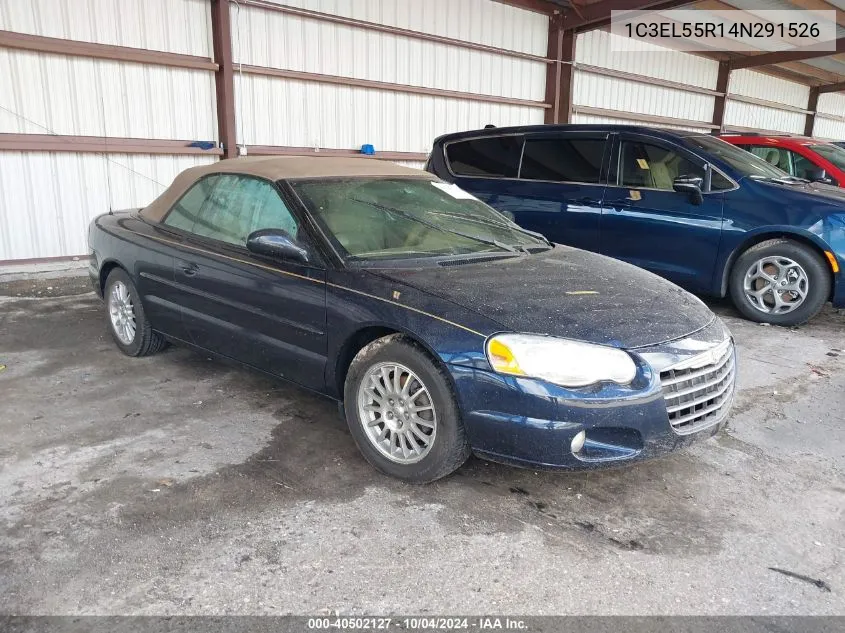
[175, 484]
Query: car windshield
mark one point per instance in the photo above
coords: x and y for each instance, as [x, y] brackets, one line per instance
[831, 152]
[746, 163]
[410, 217]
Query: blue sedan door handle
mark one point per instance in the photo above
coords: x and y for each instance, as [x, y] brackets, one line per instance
[190, 269]
[588, 202]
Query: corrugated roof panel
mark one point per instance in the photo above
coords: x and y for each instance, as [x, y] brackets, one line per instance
[176, 26]
[480, 21]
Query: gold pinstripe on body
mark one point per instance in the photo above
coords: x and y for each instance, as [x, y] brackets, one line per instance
[316, 281]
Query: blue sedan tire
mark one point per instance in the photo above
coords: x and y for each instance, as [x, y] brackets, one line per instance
[781, 282]
[402, 411]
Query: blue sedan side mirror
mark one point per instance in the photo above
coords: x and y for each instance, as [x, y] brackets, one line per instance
[276, 243]
[690, 185]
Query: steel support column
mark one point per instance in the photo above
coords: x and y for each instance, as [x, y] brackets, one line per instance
[561, 50]
[812, 106]
[722, 80]
[224, 78]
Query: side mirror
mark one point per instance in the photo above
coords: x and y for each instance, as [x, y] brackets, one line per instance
[690, 185]
[510, 216]
[817, 174]
[276, 243]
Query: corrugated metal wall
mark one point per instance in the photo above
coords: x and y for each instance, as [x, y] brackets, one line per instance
[176, 26]
[47, 198]
[761, 86]
[280, 111]
[833, 105]
[479, 21]
[613, 93]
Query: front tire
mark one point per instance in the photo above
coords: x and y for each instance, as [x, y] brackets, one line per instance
[128, 323]
[402, 412]
[780, 282]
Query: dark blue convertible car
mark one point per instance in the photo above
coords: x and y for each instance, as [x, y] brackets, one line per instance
[441, 326]
[690, 207]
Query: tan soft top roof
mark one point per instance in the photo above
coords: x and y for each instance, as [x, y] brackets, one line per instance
[279, 168]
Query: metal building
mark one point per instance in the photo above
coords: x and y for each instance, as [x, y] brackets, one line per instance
[103, 102]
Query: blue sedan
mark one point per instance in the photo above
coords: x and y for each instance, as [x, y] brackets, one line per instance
[441, 326]
[687, 206]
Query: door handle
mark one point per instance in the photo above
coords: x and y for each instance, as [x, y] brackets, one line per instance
[593, 202]
[190, 269]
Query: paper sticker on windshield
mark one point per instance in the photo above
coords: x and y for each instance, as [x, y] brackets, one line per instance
[454, 190]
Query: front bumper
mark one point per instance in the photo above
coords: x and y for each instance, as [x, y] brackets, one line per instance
[531, 423]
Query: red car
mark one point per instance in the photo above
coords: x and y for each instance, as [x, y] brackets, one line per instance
[799, 156]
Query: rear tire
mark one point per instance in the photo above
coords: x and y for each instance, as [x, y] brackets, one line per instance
[403, 413]
[128, 323]
[781, 282]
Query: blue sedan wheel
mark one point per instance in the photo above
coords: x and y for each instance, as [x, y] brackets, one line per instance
[781, 282]
[402, 411]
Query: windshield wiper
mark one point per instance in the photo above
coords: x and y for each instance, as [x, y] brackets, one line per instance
[434, 226]
[781, 180]
[511, 227]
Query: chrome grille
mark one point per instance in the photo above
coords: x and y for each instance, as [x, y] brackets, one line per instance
[698, 391]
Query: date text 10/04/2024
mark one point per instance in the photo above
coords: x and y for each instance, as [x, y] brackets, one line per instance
[417, 623]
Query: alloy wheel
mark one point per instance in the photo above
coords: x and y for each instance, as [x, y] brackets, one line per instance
[122, 313]
[397, 412]
[776, 285]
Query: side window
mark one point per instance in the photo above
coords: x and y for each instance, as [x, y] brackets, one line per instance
[780, 158]
[563, 159]
[239, 205]
[492, 157]
[718, 182]
[187, 209]
[652, 166]
[802, 166]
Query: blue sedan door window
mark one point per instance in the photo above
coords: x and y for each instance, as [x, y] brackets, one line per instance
[649, 224]
[561, 186]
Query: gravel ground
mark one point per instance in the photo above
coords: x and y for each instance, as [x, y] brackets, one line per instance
[179, 485]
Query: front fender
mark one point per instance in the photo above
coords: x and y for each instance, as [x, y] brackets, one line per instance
[828, 234]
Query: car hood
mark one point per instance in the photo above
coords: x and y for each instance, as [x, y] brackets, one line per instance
[828, 193]
[565, 292]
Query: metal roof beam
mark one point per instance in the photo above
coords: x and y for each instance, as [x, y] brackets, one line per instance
[779, 57]
[837, 87]
[597, 15]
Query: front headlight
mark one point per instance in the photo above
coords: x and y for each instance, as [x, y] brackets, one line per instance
[560, 361]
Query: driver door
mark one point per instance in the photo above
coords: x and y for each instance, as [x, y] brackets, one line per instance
[649, 224]
[265, 312]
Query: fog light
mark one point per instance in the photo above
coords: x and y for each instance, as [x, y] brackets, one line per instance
[578, 442]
